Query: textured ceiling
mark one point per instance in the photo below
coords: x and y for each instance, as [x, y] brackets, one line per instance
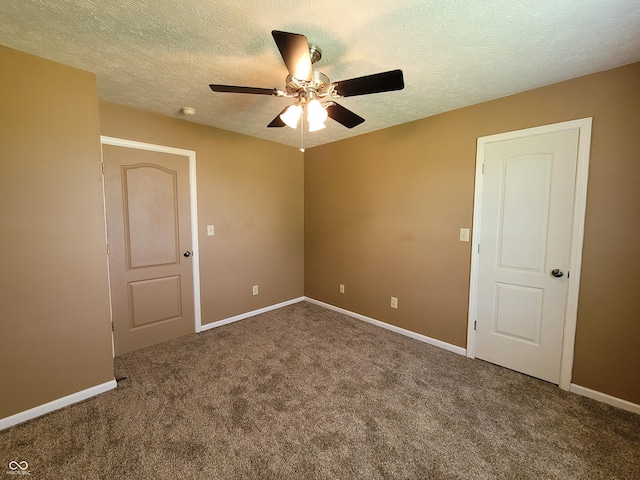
[160, 55]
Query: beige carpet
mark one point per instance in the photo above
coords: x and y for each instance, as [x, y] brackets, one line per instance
[306, 393]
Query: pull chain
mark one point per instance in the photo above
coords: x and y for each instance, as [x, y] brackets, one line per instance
[302, 130]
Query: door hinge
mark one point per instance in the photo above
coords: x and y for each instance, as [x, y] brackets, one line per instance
[475, 324]
[478, 249]
[483, 168]
[102, 168]
[108, 251]
[112, 327]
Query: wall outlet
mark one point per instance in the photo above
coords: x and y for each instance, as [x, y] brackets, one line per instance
[255, 289]
[394, 302]
[341, 288]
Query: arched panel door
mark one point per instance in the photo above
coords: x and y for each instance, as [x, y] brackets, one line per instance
[149, 237]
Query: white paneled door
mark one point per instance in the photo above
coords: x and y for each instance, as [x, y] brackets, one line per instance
[523, 257]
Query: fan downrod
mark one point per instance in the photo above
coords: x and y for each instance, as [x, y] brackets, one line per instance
[315, 53]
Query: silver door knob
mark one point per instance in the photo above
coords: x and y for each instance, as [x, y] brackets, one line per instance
[556, 272]
[187, 253]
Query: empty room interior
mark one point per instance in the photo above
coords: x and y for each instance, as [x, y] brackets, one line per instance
[157, 232]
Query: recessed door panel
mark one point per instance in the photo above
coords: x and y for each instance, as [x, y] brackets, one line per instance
[524, 208]
[518, 312]
[151, 215]
[154, 300]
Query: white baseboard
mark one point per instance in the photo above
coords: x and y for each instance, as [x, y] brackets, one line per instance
[408, 333]
[604, 398]
[105, 387]
[586, 392]
[253, 313]
[56, 404]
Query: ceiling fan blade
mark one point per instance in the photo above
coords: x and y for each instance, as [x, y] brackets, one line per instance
[235, 89]
[343, 115]
[294, 49]
[277, 122]
[376, 83]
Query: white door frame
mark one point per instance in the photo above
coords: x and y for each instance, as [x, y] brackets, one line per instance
[583, 126]
[193, 203]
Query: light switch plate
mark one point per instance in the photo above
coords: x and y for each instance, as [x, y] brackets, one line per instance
[464, 234]
[210, 231]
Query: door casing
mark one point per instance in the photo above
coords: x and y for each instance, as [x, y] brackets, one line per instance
[583, 126]
[193, 202]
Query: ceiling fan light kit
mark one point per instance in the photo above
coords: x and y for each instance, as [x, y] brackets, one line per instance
[310, 88]
[291, 115]
[316, 115]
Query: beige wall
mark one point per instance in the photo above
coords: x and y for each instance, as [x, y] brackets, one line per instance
[383, 212]
[55, 325]
[54, 311]
[251, 191]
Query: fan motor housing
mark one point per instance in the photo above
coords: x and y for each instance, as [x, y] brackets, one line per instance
[319, 85]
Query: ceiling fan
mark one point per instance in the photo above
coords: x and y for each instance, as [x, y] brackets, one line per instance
[312, 90]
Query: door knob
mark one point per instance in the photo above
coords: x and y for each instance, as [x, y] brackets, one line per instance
[556, 272]
[187, 253]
